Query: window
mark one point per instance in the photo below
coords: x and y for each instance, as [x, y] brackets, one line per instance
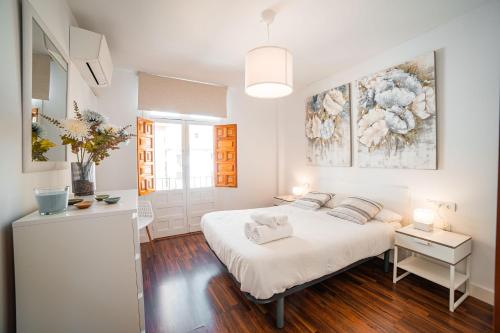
[201, 156]
[169, 159]
[172, 168]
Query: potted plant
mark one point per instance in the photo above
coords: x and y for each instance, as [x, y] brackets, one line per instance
[91, 139]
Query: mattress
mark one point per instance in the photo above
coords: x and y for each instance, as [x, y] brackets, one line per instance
[321, 244]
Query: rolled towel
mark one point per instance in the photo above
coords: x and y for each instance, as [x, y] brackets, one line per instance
[269, 219]
[261, 234]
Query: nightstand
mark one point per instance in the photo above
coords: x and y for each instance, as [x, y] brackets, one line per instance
[447, 247]
[283, 199]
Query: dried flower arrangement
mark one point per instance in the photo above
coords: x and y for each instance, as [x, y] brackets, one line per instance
[91, 139]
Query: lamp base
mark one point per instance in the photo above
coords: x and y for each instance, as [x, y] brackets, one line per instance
[423, 226]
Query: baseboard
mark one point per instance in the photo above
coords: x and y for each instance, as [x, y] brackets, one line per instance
[484, 294]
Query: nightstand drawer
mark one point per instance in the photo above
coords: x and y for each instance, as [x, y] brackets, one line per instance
[434, 250]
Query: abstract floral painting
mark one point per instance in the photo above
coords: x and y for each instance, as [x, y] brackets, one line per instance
[396, 123]
[328, 127]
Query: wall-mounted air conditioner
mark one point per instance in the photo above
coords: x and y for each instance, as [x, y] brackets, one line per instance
[89, 51]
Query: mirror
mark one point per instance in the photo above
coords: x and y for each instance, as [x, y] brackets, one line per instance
[48, 97]
[45, 87]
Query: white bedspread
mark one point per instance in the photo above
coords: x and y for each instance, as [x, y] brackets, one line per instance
[321, 244]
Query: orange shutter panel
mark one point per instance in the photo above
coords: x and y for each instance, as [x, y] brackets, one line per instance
[225, 151]
[145, 156]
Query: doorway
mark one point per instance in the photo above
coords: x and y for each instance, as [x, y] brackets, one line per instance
[183, 175]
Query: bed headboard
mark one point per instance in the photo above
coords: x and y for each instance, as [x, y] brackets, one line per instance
[394, 197]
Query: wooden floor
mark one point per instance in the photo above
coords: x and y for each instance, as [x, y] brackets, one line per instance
[188, 290]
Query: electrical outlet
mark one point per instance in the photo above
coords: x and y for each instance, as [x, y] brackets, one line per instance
[448, 205]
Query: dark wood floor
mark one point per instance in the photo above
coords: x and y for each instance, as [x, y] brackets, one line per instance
[188, 290]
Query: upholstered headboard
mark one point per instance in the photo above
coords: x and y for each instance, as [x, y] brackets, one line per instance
[394, 197]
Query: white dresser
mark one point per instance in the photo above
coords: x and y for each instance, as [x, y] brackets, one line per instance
[80, 271]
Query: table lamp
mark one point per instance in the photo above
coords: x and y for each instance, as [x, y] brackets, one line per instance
[423, 219]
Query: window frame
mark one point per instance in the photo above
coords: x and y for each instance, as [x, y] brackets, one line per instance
[185, 149]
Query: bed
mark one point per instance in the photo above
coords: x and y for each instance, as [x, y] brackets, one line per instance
[321, 247]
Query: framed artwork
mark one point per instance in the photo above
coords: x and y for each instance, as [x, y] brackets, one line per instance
[396, 118]
[328, 127]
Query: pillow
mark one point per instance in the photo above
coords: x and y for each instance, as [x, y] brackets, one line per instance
[356, 209]
[331, 203]
[313, 200]
[387, 216]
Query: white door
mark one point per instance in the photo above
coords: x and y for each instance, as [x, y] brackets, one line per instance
[183, 175]
[201, 197]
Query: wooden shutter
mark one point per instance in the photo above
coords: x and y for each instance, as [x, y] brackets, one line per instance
[145, 156]
[225, 148]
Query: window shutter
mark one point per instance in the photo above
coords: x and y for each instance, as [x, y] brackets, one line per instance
[225, 148]
[145, 156]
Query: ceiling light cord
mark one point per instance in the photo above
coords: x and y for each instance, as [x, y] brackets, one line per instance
[268, 18]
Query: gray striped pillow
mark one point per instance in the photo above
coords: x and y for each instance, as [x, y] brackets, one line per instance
[313, 200]
[356, 209]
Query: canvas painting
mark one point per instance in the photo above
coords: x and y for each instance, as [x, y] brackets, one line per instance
[396, 123]
[328, 127]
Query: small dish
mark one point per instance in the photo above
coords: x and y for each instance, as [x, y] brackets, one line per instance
[101, 197]
[83, 204]
[112, 200]
[74, 201]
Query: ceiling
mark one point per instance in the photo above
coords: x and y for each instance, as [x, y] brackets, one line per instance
[207, 40]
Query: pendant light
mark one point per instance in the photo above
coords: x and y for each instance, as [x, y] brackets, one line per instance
[268, 69]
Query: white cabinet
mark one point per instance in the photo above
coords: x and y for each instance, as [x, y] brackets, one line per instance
[80, 271]
[446, 247]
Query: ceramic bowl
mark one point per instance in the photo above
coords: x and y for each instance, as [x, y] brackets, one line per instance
[74, 201]
[101, 197]
[112, 200]
[83, 204]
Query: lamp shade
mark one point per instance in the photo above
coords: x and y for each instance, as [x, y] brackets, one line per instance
[297, 190]
[269, 72]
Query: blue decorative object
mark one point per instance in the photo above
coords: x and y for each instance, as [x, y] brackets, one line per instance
[52, 200]
[112, 200]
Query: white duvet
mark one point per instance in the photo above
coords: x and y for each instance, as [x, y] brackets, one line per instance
[321, 244]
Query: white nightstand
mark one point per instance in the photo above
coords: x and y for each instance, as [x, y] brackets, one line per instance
[447, 247]
[284, 199]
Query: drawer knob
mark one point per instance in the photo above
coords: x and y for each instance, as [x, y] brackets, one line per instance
[423, 242]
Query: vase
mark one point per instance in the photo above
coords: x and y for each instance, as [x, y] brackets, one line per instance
[83, 178]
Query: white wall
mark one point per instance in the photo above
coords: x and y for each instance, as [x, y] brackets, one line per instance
[468, 66]
[257, 151]
[119, 103]
[16, 197]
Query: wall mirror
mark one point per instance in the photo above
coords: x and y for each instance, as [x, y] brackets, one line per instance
[45, 91]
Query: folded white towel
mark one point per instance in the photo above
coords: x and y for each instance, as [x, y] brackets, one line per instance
[261, 234]
[270, 220]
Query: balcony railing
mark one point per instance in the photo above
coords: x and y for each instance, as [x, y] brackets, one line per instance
[168, 184]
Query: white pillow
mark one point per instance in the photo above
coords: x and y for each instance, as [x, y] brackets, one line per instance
[313, 200]
[356, 209]
[387, 216]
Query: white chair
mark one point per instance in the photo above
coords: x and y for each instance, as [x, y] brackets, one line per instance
[145, 217]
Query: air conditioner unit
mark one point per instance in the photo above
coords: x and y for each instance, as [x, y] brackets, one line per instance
[89, 51]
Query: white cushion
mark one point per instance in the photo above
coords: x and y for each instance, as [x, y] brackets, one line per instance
[356, 209]
[313, 200]
[387, 216]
